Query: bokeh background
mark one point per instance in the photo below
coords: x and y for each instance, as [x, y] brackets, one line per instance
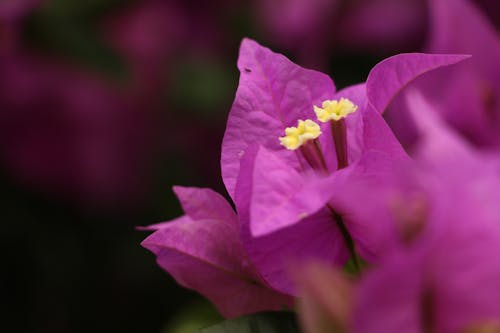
[105, 104]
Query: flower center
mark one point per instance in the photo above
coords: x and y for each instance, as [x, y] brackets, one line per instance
[296, 136]
[335, 112]
[304, 137]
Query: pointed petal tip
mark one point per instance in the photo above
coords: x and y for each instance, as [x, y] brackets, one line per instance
[148, 244]
[391, 75]
[179, 190]
[177, 187]
[143, 228]
[246, 41]
[248, 47]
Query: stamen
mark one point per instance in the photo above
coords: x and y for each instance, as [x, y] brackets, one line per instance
[304, 137]
[297, 136]
[335, 112]
[339, 133]
[312, 153]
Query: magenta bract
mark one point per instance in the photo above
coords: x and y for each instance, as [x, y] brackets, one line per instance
[278, 197]
[202, 251]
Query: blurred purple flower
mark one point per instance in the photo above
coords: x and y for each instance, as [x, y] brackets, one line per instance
[439, 277]
[70, 132]
[12, 10]
[383, 26]
[202, 250]
[476, 112]
[314, 29]
[435, 273]
[147, 35]
[11, 14]
[284, 197]
[467, 95]
[83, 135]
[446, 153]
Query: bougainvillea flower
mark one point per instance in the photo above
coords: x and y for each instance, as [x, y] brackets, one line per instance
[286, 193]
[443, 281]
[466, 95]
[436, 275]
[476, 81]
[274, 93]
[444, 151]
[202, 250]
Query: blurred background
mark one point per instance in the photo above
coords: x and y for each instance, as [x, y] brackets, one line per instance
[105, 104]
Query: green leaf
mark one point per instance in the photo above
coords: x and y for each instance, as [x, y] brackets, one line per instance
[268, 322]
[192, 317]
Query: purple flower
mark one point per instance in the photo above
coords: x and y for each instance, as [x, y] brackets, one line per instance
[202, 250]
[11, 10]
[466, 95]
[289, 191]
[146, 36]
[436, 272]
[439, 279]
[72, 134]
[476, 81]
[445, 152]
[12, 13]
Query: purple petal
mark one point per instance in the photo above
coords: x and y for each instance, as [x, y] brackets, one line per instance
[388, 299]
[273, 253]
[377, 136]
[280, 196]
[388, 77]
[437, 141]
[466, 284]
[476, 36]
[204, 203]
[446, 153]
[277, 254]
[273, 94]
[476, 114]
[443, 283]
[207, 256]
[354, 199]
